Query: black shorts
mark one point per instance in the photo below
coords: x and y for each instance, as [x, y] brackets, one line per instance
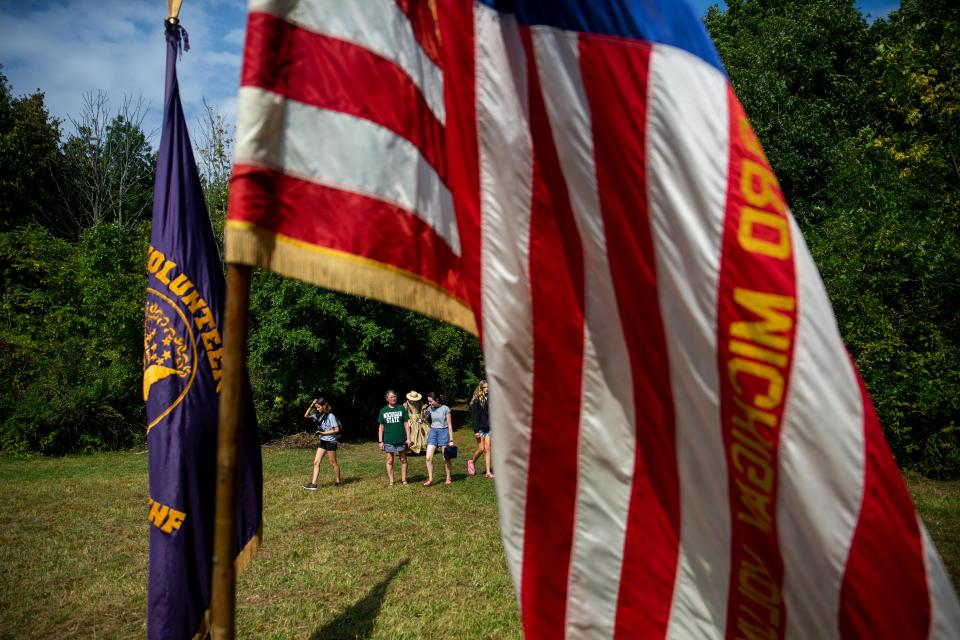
[327, 446]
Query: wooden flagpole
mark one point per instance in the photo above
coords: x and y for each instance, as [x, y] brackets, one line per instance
[230, 433]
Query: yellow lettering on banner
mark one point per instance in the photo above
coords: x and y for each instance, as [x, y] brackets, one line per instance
[193, 301]
[753, 219]
[216, 362]
[211, 340]
[181, 285]
[769, 193]
[158, 512]
[774, 394]
[213, 346]
[155, 260]
[756, 505]
[191, 298]
[747, 430]
[165, 518]
[753, 631]
[768, 306]
[758, 586]
[758, 353]
[174, 521]
[204, 319]
[164, 274]
[758, 469]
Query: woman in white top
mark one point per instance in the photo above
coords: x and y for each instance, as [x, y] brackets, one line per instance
[327, 429]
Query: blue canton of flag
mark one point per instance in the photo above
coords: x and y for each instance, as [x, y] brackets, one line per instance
[182, 377]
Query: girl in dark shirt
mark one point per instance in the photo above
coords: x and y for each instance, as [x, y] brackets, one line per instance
[480, 417]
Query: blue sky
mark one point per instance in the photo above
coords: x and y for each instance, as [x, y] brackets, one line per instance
[68, 47]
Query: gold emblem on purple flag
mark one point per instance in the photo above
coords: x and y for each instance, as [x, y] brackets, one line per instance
[169, 352]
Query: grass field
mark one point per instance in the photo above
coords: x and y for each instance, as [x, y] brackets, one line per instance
[360, 561]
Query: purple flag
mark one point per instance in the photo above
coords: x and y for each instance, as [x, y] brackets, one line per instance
[182, 377]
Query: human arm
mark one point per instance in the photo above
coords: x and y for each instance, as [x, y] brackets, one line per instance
[310, 409]
[380, 434]
[450, 425]
[406, 427]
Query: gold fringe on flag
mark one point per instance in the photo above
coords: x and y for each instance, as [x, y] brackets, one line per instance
[248, 244]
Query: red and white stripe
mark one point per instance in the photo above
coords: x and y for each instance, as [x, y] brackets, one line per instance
[506, 183]
[586, 195]
[687, 226]
[340, 136]
[648, 212]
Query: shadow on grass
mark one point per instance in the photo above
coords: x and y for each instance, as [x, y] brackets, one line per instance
[357, 620]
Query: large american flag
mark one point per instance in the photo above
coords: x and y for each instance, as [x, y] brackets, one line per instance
[683, 446]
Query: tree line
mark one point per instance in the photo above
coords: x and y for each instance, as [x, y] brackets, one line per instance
[859, 120]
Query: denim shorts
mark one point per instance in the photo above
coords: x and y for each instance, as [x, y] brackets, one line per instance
[394, 448]
[482, 434]
[438, 437]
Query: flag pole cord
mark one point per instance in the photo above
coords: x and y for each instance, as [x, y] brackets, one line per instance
[230, 433]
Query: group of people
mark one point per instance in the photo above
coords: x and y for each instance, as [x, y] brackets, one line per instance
[405, 427]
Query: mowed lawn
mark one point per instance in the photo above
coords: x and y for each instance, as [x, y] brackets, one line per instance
[363, 560]
[360, 561]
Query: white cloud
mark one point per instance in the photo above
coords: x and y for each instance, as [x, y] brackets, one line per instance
[236, 36]
[68, 48]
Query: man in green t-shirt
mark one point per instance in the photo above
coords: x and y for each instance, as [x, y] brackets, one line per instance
[394, 434]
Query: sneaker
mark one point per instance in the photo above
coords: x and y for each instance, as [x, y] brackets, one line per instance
[310, 486]
[489, 475]
[471, 470]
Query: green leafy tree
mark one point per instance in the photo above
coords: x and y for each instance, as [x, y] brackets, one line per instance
[860, 124]
[799, 67]
[29, 157]
[305, 341]
[891, 252]
[71, 334]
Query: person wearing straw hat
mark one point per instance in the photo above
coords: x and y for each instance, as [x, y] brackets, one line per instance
[419, 423]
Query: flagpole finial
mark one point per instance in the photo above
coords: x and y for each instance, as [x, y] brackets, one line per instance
[173, 10]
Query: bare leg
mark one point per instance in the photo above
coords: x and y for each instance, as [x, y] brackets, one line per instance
[403, 467]
[316, 464]
[336, 466]
[431, 448]
[390, 468]
[486, 452]
[480, 449]
[446, 467]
